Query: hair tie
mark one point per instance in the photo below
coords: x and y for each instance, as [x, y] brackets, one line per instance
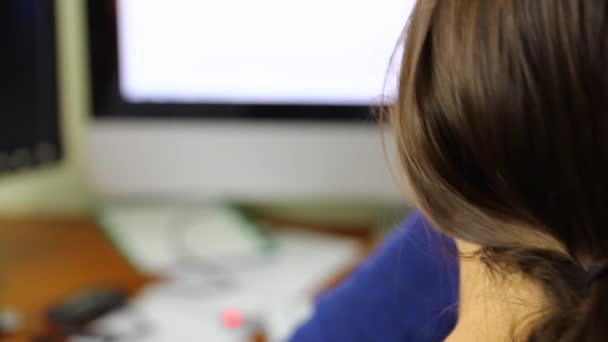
[595, 272]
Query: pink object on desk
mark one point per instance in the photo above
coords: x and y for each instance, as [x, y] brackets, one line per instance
[232, 318]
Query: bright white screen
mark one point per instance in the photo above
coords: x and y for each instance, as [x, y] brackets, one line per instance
[258, 51]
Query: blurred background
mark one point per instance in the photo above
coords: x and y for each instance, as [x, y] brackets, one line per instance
[169, 162]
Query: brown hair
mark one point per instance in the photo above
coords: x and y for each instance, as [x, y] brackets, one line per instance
[502, 128]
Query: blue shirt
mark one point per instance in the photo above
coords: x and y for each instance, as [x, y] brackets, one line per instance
[407, 292]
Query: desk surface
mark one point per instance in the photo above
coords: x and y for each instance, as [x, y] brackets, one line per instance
[44, 260]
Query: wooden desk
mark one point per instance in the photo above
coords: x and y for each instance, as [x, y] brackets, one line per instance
[44, 260]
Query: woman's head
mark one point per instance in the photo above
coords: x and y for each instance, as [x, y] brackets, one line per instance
[502, 128]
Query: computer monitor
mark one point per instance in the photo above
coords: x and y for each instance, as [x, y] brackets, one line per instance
[28, 89]
[264, 99]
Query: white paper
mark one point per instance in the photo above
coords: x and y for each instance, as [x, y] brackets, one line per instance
[156, 237]
[275, 295]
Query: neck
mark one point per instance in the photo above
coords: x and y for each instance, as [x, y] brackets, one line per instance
[493, 307]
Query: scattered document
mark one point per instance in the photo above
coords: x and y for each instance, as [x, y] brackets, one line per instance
[275, 294]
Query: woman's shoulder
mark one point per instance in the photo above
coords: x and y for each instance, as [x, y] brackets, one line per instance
[406, 292]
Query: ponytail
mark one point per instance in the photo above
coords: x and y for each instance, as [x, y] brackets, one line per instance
[589, 321]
